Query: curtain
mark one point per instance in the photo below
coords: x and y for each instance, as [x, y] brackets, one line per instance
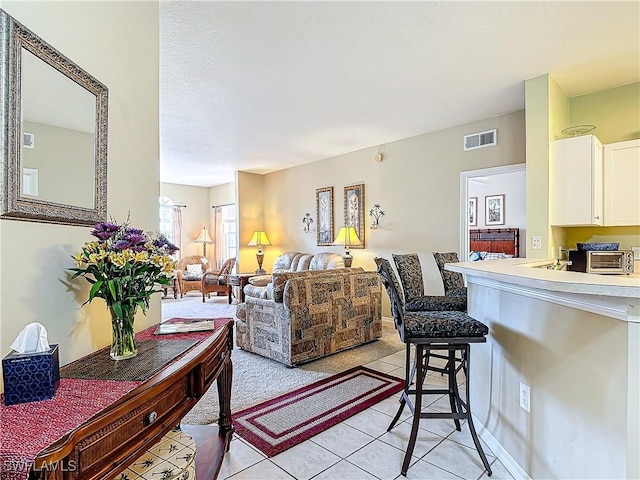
[217, 237]
[176, 225]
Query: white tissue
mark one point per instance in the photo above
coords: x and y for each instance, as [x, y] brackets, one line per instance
[32, 339]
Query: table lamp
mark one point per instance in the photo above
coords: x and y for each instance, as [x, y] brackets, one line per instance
[258, 239]
[204, 238]
[347, 236]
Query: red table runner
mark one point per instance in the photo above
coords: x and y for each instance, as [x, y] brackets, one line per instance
[28, 428]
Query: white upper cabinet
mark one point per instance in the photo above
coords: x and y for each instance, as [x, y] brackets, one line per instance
[622, 183]
[576, 181]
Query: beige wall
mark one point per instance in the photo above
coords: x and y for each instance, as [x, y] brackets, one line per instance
[222, 194]
[121, 50]
[513, 186]
[575, 365]
[417, 185]
[59, 155]
[195, 215]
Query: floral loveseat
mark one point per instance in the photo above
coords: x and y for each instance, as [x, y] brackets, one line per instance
[308, 314]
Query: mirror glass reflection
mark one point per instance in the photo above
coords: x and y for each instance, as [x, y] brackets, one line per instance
[58, 136]
[53, 133]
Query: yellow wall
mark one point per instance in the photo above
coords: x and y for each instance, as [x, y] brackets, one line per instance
[614, 112]
[250, 211]
[537, 101]
[121, 50]
[616, 115]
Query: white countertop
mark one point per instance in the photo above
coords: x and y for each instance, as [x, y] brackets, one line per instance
[522, 271]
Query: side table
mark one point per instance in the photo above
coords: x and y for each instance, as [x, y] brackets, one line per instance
[174, 286]
[238, 280]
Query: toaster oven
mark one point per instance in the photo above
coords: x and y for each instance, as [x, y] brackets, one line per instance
[601, 261]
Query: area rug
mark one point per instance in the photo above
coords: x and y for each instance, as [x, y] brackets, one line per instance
[258, 379]
[279, 424]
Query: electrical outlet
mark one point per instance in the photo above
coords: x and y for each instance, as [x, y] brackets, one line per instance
[524, 396]
[536, 242]
[636, 253]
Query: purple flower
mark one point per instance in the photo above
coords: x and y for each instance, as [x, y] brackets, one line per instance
[135, 238]
[105, 230]
[162, 242]
[122, 245]
[134, 231]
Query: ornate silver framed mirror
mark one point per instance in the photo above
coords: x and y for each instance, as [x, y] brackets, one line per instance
[53, 141]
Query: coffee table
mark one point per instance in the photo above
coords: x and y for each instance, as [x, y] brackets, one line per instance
[238, 280]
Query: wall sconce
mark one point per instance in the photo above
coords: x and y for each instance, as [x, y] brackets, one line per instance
[376, 213]
[307, 220]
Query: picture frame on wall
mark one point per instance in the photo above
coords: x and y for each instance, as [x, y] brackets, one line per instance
[473, 211]
[494, 209]
[354, 211]
[324, 214]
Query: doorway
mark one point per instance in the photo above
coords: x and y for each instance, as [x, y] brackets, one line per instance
[507, 180]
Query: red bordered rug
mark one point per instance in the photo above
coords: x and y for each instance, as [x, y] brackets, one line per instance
[276, 425]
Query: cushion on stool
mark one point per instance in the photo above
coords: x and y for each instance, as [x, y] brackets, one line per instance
[436, 303]
[443, 324]
[173, 458]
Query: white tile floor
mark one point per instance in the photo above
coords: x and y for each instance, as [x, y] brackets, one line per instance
[360, 448]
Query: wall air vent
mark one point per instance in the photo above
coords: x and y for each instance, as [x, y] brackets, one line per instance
[482, 139]
[28, 140]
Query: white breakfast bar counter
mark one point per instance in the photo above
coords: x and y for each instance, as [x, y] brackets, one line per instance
[574, 339]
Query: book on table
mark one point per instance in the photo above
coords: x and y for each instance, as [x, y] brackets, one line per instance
[185, 325]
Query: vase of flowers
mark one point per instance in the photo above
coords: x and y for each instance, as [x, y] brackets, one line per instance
[124, 266]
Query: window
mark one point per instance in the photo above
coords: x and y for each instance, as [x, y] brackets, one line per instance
[166, 219]
[229, 231]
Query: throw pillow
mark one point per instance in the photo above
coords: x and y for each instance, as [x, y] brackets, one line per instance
[194, 269]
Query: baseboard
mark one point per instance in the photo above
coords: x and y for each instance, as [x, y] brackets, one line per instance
[501, 454]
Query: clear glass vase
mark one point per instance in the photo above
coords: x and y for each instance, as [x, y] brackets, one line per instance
[123, 344]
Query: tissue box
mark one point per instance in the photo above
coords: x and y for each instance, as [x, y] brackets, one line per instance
[29, 377]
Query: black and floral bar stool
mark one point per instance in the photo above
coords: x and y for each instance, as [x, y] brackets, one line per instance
[451, 332]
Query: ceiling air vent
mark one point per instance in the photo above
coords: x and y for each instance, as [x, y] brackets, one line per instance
[482, 139]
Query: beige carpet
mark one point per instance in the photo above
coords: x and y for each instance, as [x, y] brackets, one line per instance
[255, 378]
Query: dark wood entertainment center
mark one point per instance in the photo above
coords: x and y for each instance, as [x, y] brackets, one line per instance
[117, 435]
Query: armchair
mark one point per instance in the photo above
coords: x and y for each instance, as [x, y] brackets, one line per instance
[216, 280]
[189, 273]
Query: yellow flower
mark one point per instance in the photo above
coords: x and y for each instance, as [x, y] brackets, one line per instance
[141, 257]
[118, 259]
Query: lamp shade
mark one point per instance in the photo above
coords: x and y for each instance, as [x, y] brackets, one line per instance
[204, 236]
[258, 239]
[347, 236]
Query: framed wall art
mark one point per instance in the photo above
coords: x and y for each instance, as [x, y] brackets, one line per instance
[473, 211]
[324, 214]
[354, 211]
[494, 209]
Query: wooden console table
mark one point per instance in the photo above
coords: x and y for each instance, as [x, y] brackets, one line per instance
[111, 439]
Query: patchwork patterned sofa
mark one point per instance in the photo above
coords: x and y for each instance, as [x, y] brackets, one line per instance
[308, 314]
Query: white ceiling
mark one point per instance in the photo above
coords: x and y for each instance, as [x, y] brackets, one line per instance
[261, 86]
